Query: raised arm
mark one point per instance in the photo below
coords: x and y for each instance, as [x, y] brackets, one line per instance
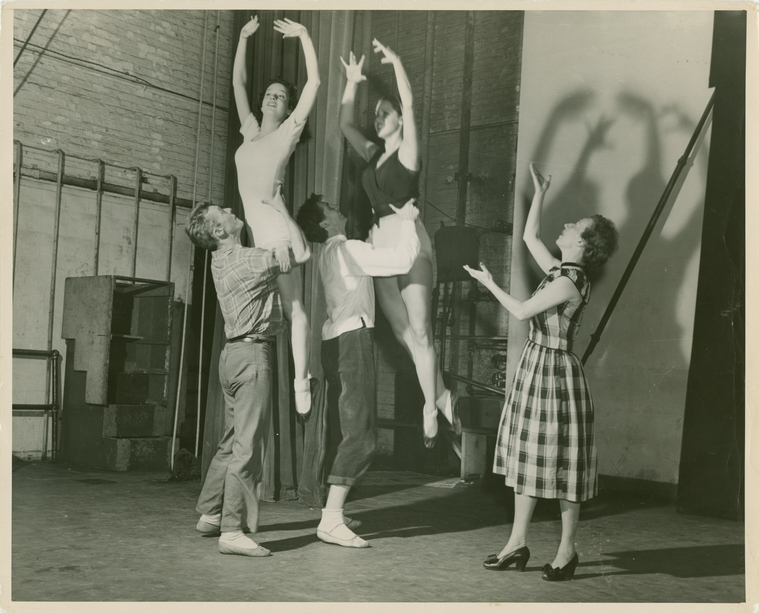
[363, 146]
[408, 153]
[291, 29]
[531, 234]
[558, 292]
[240, 69]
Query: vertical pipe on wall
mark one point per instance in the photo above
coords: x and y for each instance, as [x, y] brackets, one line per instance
[213, 106]
[191, 264]
[136, 222]
[16, 194]
[56, 231]
[172, 221]
[463, 174]
[99, 204]
[429, 63]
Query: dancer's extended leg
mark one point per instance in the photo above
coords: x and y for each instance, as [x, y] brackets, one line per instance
[290, 288]
[416, 292]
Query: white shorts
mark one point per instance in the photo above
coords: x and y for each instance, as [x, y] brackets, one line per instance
[388, 234]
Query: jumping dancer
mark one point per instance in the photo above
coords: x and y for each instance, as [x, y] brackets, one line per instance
[392, 179]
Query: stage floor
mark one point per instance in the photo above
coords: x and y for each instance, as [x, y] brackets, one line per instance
[89, 535]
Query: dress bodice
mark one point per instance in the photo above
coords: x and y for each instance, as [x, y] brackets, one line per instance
[557, 327]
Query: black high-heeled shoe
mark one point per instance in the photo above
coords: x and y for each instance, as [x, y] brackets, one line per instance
[521, 556]
[565, 573]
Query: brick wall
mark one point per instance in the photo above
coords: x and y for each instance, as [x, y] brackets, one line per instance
[123, 86]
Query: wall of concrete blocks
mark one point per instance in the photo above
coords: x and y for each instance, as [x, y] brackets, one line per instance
[135, 89]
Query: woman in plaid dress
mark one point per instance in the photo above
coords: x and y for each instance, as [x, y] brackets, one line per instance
[545, 446]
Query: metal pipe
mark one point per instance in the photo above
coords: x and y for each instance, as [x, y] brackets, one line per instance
[108, 188]
[596, 336]
[172, 222]
[137, 189]
[484, 386]
[56, 230]
[99, 203]
[200, 349]
[213, 108]
[55, 401]
[16, 195]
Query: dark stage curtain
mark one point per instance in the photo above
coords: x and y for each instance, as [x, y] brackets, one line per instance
[294, 463]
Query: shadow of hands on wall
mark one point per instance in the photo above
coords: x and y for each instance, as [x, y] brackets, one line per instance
[578, 197]
[666, 256]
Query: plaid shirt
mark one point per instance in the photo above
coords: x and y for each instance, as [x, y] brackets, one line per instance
[246, 285]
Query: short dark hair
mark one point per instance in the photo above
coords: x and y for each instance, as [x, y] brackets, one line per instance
[394, 102]
[292, 102]
[601, 239]
[200, 228]
[310, 215]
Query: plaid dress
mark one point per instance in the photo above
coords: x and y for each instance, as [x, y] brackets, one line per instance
[546, 446]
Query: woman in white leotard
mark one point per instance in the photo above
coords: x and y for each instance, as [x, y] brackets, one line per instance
[271, 133]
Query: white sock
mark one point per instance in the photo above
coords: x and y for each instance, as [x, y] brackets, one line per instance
[238, 538]
[212, 519]
[331, 518]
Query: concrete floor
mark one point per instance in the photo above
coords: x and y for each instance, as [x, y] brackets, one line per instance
[88, 535]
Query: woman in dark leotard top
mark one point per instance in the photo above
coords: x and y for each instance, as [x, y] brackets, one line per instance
[392, 178]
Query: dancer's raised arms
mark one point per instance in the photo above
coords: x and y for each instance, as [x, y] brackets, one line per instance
[531, 235]
[363, 146]
[408, 153]
[292, 29]
[240, 69]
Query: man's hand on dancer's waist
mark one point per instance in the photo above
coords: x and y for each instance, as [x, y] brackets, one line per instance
[282, 255]
[408, 212]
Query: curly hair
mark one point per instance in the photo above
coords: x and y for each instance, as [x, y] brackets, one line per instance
[600, 242]
[292, 102]
[310, 215]
[200, 228]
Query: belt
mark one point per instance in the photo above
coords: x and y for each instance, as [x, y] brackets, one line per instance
[251, 338]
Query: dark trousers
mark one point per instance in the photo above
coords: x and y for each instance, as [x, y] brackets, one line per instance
[233, 480]
[348, 363]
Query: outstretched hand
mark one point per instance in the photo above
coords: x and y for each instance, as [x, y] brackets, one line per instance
[249, 28]
[539, 181]
[289, 28]
[353, 69]
[408, 212]
[484, 276]
[390, 56]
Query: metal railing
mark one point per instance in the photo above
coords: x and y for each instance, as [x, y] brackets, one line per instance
[52, 408]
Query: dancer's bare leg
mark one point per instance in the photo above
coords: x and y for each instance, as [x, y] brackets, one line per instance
[290, 287]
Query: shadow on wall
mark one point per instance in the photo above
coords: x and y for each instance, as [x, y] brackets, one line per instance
[669, 252]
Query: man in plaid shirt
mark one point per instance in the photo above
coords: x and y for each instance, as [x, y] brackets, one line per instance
[245, 280]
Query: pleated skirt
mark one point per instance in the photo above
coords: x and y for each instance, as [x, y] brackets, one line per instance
[546, 445]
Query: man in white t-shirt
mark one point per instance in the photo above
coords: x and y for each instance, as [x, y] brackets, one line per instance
[346, 268]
